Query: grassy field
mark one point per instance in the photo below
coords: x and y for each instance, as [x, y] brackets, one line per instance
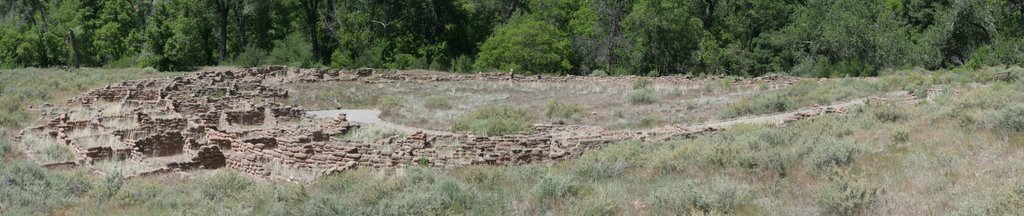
[958, 153]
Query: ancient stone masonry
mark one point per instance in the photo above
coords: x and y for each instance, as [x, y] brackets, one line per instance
[230, 119]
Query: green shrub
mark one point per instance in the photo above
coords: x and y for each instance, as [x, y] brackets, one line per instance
[553, 189]
[888, 113]
[598, 73]
[31, 190]
[642, 83]
[496, 120]
[462, 64]
[389, 105]
[901, 136]
[1008, 201]
[125, 62]
[609, 162]
[408, 61]
[56, 153]
[846, 197]
[293, 51]
[250, 57]
[565, 111]
[222, 185]
[5, 144]
[721, 196]
[110, 186]
[1011, 118]
[545, 50]
[643, 96]
[437, 103]
[827, 153]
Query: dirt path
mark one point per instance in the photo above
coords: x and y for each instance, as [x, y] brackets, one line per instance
[372, 117]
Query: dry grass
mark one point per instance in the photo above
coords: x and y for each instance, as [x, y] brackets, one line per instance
[437, 105]
[46, 149]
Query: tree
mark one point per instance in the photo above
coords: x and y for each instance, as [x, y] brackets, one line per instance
[221, 9]
[118, 23]
[525, 46]
[665, 35]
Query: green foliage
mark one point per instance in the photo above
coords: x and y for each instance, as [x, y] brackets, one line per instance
[665, 35]
[1008, 201]
[722, 196]
[222, 185]
[496, 120]
[292, 51]
[389, 105]
[251, 57]
[846, 196]
[5, 144]
[642, 83]
[828, 153]
[565, 111]
[552, 189]
[525, 46]
[1011, 118]
[437, 103]
[888, 113]
[613, 161]
[643, 96]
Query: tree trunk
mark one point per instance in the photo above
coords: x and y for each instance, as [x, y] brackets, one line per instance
[74, 48]
[241, 25]
[222, 22]
[709, 14]
[610, 43]
[310, 7]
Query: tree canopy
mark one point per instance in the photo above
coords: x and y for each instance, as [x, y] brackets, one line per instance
[735, 37]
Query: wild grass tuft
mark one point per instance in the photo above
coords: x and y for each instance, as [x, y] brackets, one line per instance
[496, 120]
[565, 111]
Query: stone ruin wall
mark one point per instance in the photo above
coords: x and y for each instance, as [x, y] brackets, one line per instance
[210, 128]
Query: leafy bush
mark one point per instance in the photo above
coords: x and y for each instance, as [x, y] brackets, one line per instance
[222, 185]
[598, 73]
[389, 105]
[643, 96]
[250, 57]
[1011, 118]
[642, 83]
[124, 62]
[721, 196]
[846, 196]
[56, 153]
[901, 136]
[525, 45]
[437, 103]
[1009, 201]
[5, 144]
[611, 161]
[408, 61]
[462, 64]
[31, 190]
[565, 111]
[888, 113]
[496, 120]
[552, 189]
[293, 51]
[827, 153]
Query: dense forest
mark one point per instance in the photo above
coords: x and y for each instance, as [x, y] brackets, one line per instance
[644, 37]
